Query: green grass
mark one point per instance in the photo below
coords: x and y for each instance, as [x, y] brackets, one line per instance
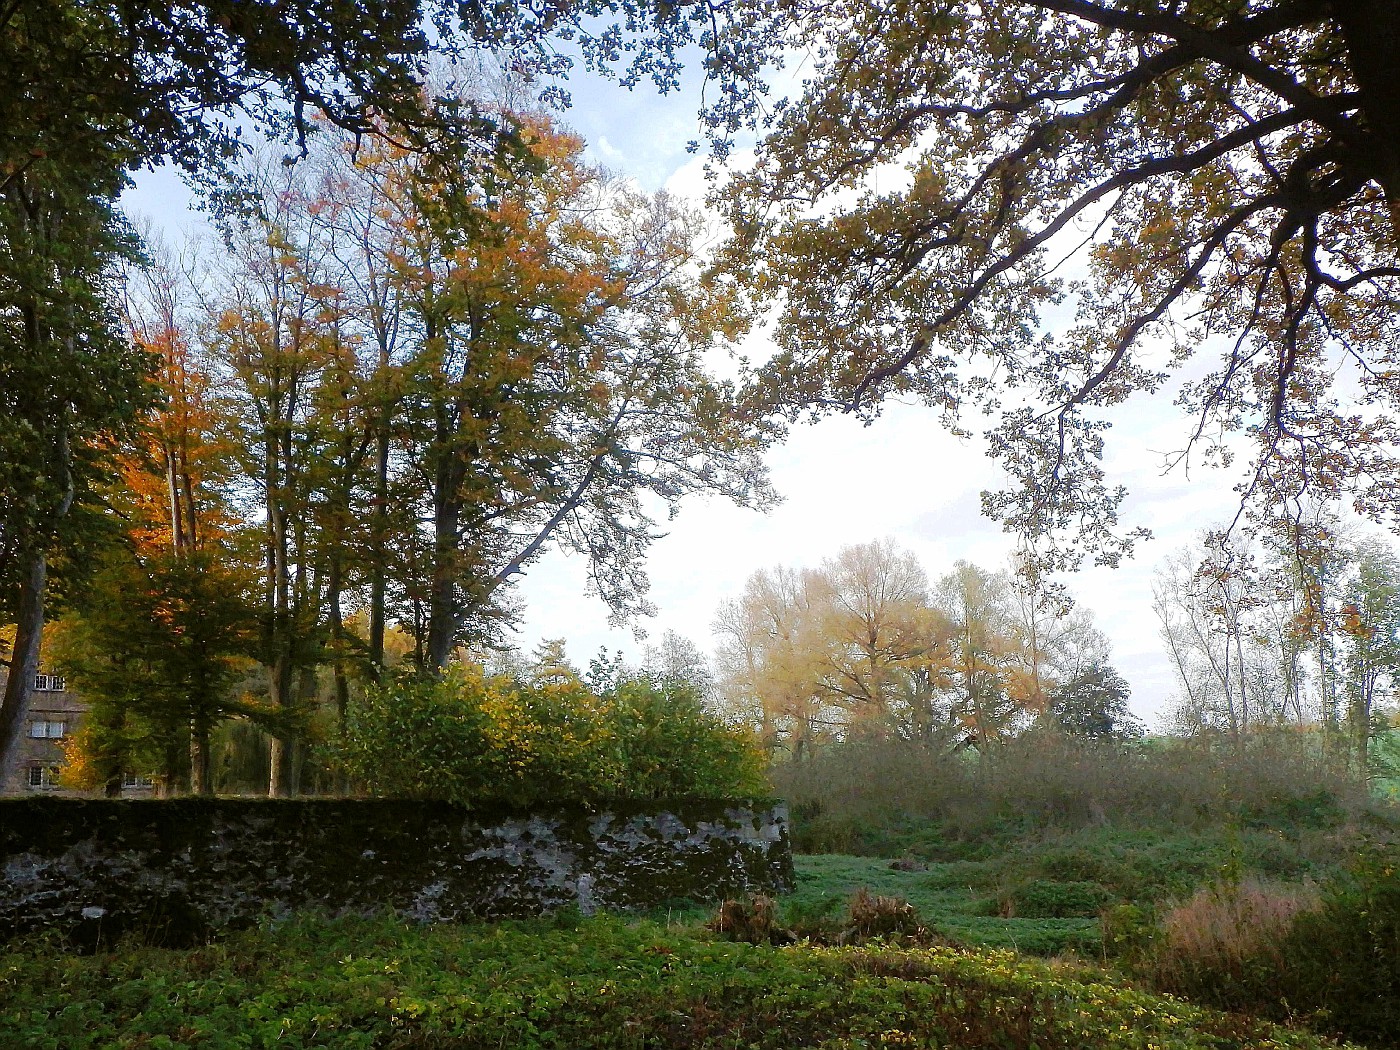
[957, 910]
[1041, 893]
[577, 984]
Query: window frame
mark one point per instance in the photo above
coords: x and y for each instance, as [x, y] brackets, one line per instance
[41, 777]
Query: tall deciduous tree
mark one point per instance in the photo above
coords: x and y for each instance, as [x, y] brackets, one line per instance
[983, 647]
[68, 382]
[1227, 176]
[768, 661]
[175, 476]
[555, 392]
[276, 343]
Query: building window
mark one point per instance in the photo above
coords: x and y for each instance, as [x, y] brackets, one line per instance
[48, 730]
[43, 776]
[49, 683]
[133, 780]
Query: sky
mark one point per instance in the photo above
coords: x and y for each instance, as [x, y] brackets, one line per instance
[901, 478]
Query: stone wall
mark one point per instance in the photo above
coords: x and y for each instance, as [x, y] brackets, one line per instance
[178, 869]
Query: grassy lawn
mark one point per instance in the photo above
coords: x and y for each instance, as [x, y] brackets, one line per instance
[956, 909]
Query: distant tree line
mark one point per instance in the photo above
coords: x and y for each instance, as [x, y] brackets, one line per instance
[866, 646]
[1262, 634]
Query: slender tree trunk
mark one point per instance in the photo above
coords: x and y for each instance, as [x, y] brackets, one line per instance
[280, 667]
[335, 623]
[379, 534]
[177, 524]
[24, 663]
[201, 780]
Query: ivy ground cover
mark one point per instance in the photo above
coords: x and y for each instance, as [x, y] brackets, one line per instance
[571, 984]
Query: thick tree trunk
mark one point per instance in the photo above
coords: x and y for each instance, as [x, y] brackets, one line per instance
[443, 608]
[29, 622]
[1371, 29]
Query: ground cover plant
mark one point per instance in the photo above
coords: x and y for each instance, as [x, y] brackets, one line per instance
[572, 983]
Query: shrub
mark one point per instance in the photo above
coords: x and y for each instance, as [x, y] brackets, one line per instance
[1330, 959]
[874, 916]
[751, 921]
[1047, 899]
[1344, 957]
[476, 739]
[669, 745]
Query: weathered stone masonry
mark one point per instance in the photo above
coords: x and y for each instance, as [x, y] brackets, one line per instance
[98, 867]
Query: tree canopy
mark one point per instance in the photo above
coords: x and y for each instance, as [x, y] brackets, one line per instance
[184, 82]
[90, 92]
[1210, 191]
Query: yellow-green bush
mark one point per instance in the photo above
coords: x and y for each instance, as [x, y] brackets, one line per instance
[480, 739]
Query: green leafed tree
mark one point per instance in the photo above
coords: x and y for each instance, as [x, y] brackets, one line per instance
[1205, 195]
[69, 384]
[1370, 623]
[1093, 705]
[158, 645]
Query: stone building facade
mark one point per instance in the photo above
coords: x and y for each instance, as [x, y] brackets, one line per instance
[55, 714]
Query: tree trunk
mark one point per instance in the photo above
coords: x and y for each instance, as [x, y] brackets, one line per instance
[1371, 29]
[24, 663]
[442, 597]
[201, 782]
[379, 532]
[29, 624]
[280, 641]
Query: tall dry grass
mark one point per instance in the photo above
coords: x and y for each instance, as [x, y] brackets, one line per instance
[853, 797]
[1227, 943]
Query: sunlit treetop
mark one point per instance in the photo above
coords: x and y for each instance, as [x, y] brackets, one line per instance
[1208, 190]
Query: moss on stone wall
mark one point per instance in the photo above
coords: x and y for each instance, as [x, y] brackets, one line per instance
[178, 869]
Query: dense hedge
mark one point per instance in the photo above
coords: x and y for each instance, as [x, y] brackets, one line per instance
[479, 739]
